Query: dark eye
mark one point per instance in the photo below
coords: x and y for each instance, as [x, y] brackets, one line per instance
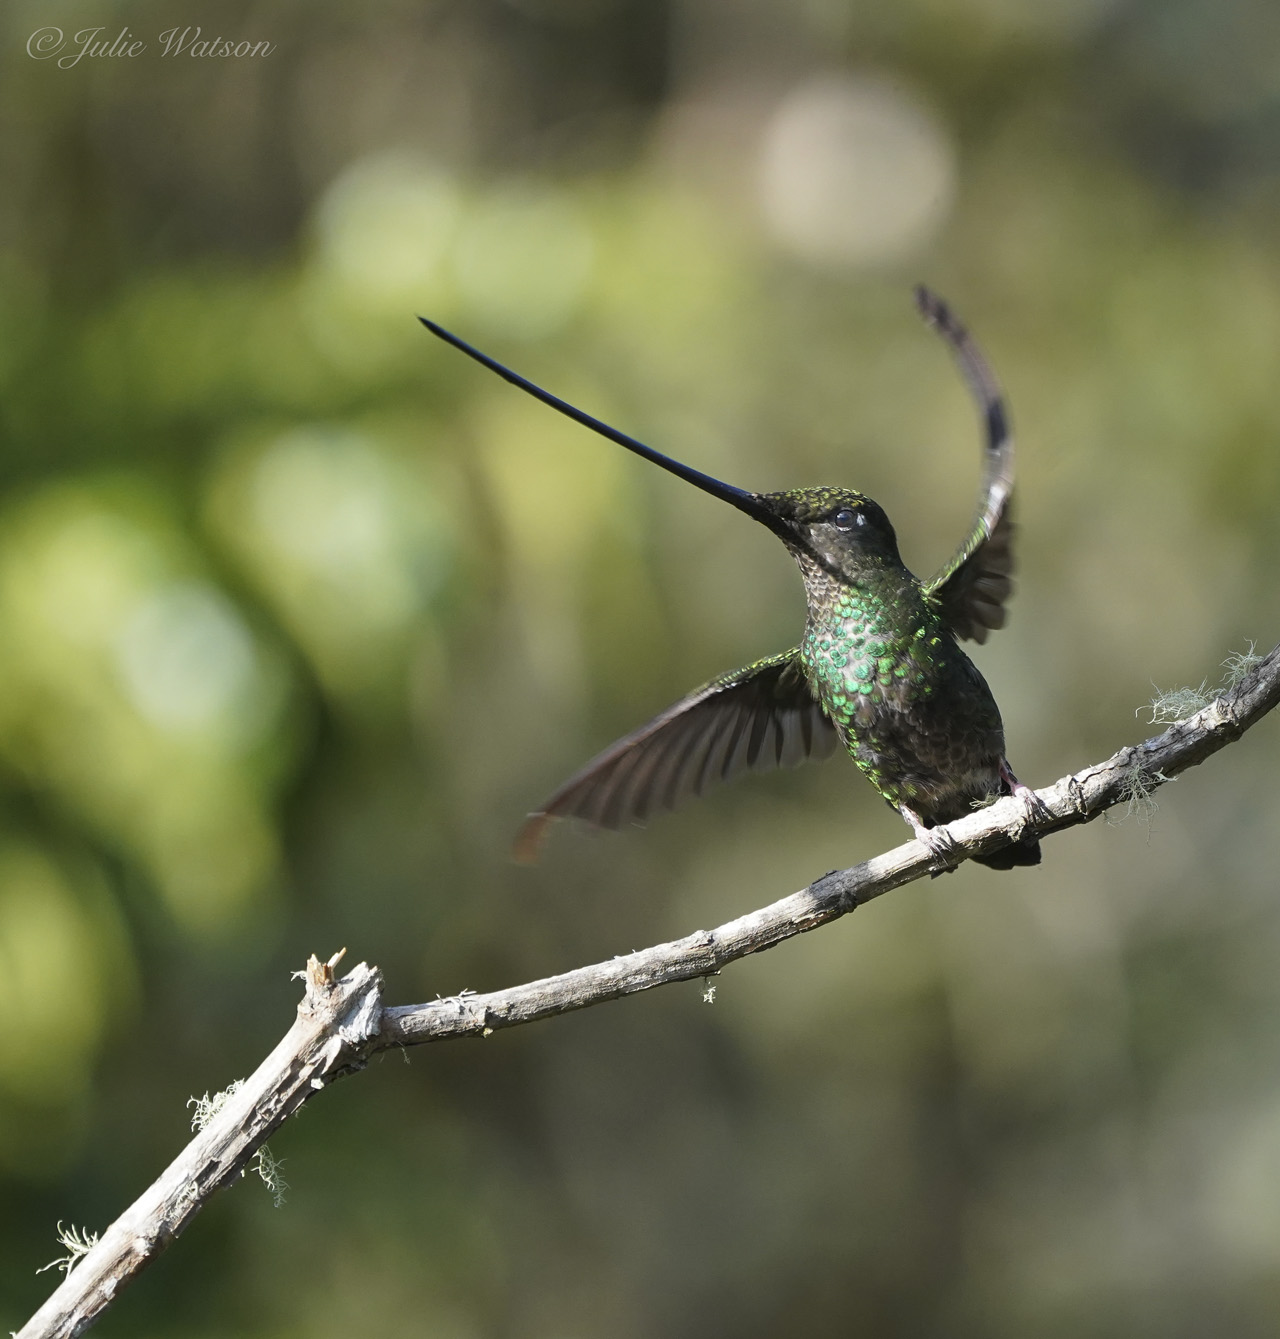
[846, 518]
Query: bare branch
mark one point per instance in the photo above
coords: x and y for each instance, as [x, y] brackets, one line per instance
[1136, 770]
[341, 1023]
[335, 1020]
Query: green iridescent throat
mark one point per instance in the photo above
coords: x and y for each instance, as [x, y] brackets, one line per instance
[862, 648]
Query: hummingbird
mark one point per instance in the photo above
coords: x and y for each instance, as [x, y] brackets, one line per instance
[878, 670]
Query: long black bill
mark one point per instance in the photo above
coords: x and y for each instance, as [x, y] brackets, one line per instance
[738, 497]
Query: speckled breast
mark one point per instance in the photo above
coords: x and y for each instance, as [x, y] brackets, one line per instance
[910, 706]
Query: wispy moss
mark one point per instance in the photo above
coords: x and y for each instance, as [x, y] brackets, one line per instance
[1177, 704]
[1240, 663]
[265, 1163]
[78, 1243]
[1138, 793]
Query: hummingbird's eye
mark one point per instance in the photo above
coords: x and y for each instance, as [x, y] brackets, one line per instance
[846, 518]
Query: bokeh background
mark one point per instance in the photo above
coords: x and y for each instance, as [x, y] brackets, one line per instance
[300, 611]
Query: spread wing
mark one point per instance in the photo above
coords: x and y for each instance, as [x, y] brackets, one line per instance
[760, 717]
[971, 590]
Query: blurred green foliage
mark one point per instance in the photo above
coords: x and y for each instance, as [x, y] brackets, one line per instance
[300, 611]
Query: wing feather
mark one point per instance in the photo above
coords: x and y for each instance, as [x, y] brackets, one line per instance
[972, 589]
[757, 718]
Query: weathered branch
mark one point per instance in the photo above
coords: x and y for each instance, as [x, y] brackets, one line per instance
[335, 1021]
[1132, 772]
[341, 1024]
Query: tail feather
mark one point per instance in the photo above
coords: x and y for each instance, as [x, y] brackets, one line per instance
[1023, 852]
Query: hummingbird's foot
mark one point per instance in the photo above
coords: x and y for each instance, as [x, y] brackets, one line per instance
[1033, 806]
[934, 840]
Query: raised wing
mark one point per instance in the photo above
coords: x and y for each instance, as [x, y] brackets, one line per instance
[760, 717]
[971, 590]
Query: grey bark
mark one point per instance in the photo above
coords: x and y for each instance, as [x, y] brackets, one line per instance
[335, 1021]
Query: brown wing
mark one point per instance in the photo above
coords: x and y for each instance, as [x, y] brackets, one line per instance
[760, 717]
[971, 590]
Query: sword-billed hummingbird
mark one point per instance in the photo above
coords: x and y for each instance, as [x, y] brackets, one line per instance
[878, 669]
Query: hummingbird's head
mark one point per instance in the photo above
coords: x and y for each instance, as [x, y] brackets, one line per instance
[841, 530]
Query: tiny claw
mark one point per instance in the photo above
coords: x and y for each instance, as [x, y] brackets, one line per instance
[1033, 806]
[939, 843]
[1036, 809]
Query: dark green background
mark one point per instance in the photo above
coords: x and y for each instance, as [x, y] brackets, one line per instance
[300, 612]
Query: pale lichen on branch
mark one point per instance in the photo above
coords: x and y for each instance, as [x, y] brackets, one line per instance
[78, 1242]
[1178, 704]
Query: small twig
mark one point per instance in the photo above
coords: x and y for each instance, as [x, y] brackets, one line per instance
[341, 1024]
